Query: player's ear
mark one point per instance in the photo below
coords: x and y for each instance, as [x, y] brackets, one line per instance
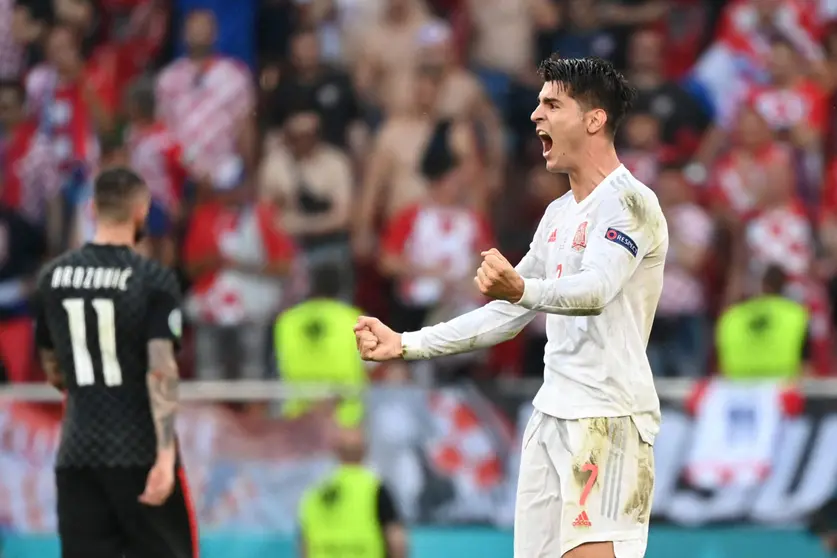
[142, 207]
[595, 119]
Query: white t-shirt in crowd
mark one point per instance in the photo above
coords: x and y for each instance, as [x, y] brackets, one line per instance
[596, 268]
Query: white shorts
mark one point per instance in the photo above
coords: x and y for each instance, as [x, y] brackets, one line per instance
[582, 481]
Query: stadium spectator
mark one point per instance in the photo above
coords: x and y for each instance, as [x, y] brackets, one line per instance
[22, 250]
[156, 155]
[31, 182]
[764, 337]
[754, 160]
[429, 249]
[313, 345]
[207, 101]
[584, 33]
[13, 36]
[461, 96]
[70, 112]
[310, 84]
[312, 184]
[351, 508]
[236, 255]
[682, 119]
[643, 151]
[388, 50]
[679, 342]
[504, 33]
[393, 173]
[792, 104]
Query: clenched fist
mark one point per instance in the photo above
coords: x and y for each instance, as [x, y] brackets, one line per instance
[497, 278]
[375, 341]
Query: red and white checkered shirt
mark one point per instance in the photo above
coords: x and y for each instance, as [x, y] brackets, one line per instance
[204, 106]
[31, 174]
[11, 53]
[689, 228]
[155, 155]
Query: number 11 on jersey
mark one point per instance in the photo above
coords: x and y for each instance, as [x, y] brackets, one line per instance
[82, 360]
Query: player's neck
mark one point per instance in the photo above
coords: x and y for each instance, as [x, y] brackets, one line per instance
[592, 170]
[113, 235]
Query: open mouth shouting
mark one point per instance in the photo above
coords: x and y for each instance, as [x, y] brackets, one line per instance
[546, 140]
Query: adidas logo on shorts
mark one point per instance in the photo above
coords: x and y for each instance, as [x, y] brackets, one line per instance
[582, 520]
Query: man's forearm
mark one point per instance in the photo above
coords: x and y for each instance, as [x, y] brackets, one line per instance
[163, 383]
[484, 327]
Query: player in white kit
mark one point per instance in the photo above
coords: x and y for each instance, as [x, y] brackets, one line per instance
[595, 267]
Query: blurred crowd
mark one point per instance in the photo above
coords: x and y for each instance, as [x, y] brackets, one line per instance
[364, 152]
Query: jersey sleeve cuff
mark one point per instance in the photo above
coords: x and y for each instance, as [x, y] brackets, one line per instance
[531, 294]
[412, 347]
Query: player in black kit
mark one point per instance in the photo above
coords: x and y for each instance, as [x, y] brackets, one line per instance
[108, 326]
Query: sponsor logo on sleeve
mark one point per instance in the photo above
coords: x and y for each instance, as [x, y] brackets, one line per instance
[623, 240]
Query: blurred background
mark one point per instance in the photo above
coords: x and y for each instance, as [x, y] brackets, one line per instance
[312, 160]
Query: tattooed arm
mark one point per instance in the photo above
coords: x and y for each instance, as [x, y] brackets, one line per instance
[163, 382]
[50, 364]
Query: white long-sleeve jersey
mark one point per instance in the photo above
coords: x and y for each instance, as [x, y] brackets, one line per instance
[596, 269]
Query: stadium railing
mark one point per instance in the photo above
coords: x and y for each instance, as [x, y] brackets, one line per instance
[275, 390]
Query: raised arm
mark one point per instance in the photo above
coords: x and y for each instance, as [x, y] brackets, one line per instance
[489, 325]
[627, 228]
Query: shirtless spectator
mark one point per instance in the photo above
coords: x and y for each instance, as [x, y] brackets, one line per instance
[429, 248]
[461, 95]
[393, 179]
[388, 51]
[503, 42]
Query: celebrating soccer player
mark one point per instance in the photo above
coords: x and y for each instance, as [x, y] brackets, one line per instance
[595, 267]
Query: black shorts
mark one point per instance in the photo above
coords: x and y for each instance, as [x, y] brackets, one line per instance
[100, 516]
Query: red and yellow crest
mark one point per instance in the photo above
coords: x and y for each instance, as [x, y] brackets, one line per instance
[580, 238]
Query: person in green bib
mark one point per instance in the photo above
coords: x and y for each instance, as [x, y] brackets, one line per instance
[314, 344]
[350, 513]
[765, 337]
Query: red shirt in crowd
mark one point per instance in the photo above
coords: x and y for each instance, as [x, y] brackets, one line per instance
[156, 155]
[433, 237]
[784, 108]
[211, 222]
[30, 173]
[738, 175]
[64, 114]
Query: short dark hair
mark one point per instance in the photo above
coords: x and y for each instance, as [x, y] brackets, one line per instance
[303, 31]
[114, 191]
[326, 281]
[594, 83]
[774, 280]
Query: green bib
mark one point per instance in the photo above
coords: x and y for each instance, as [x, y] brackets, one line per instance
[315, 344]
[340, 517]
[762, 338]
